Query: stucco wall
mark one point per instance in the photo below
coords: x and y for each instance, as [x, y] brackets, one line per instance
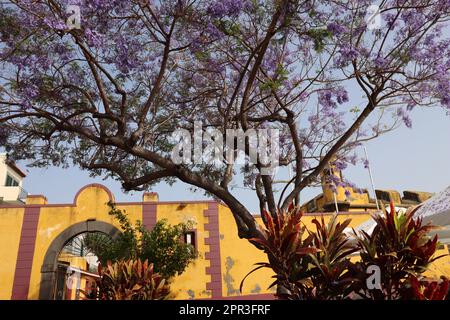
[89, 204]
[27, 232]
[192, 283]
[10, 231]
[238, 258]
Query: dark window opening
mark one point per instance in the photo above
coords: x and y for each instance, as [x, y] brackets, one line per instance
[11, 182]
[189, 238]
[311, 207]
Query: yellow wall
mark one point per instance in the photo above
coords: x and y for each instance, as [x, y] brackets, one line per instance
[238, 258]
[91, 204]
[191, 283]
[10, 230]
[440, 266]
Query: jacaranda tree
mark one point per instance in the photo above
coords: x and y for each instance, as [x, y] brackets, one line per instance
[107, 93]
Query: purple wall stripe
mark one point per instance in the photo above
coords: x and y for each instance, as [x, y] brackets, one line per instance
[215, 268]
[25, 255]
[149, 215]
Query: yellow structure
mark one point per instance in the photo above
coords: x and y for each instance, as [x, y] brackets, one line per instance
[349, 199]
[34, 236]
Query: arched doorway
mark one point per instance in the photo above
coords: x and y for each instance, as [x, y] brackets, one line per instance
[51, 269]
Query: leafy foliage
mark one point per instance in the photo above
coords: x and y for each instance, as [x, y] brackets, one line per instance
[428, 290]
[283, 242]
[315, 264]
[331, 277]
[400, 246]
[131, 280]
[163, 245]
[319, 36]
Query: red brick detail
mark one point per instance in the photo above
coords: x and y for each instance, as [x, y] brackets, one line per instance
[149, 215]
[26, 253]
[213, 241]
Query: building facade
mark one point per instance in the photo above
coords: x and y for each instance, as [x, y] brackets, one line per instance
[336, 196]
[34, 234]
[40, 258]
[11, 181]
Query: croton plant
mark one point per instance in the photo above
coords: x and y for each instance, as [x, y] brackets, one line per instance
[316, 264]
[130, 280]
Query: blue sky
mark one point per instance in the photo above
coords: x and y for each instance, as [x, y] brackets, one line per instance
[405, 159]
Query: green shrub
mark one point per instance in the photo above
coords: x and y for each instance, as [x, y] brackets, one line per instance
[163, 246]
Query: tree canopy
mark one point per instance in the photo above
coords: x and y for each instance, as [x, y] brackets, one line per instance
[108, 95]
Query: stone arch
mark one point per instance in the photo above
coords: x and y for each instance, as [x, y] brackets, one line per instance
[48, 269]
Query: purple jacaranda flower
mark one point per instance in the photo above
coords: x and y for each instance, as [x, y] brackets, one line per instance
[347, 193]
[353, 159]
[445, 100]
[405, 117]
[336, 28]
[345, 56]
[94, 39]
[63, 52]
[100, 4]
[313, 119]
[340, 165]
[366, 164]
[379, 62]
[341, 95]
[443, 89]
[29, 91]
[219, 9]
[58, 25]
[212, 30]
[331, 97]
[126, 55]
[410, 106]
[26, 104]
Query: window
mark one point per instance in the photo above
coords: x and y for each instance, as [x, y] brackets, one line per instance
[311, 207]
[189, 238]
[11, 182]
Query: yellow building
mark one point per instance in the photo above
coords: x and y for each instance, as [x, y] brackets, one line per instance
[11, 190]
[34, 234]
[39, 258]
[349, 199]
